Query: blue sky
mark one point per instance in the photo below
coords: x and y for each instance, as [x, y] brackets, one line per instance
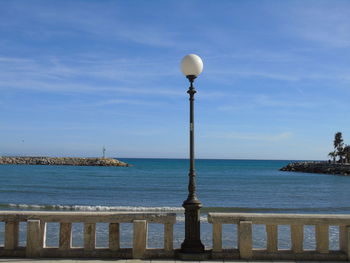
[77, 75]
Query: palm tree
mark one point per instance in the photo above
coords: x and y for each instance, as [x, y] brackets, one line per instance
[333, 155]
[339, 145]
[346, 152]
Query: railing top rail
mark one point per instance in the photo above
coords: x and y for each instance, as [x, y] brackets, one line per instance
[280, 219]
[88, 217]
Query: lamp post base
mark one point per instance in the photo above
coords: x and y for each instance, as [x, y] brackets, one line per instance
[194, 256]
[192, 246]
[192, 242]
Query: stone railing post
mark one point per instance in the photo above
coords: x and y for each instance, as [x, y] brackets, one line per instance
[348, 242]
[322, 238]
[140, 239]
[297, 237]
[65, 241]
[168, 236]
[344, 240]
[217, 237]
[114, 242]
[272, 238]
[11, 235]
[34, 239]
[245, 239]
[89, 236]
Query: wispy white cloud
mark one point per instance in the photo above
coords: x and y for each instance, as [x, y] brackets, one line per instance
[269, 101]
[250, 136]
[330, 74]
[75, 75]
[120, 76]
[121, 101]
[326, 23]
[253, 102]
[22, 128]
[124, 69]
[253, 72]
[86, 19]
[261, 55]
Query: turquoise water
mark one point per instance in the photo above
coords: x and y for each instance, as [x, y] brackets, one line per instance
[161, 185]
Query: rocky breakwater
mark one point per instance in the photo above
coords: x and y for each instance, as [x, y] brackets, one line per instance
[318, 167]
[62, 161]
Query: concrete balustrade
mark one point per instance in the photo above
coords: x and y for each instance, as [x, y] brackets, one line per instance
[36, 223]
[245, 222]
[36, 234]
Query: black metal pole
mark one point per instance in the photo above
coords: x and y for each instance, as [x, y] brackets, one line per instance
[192, 242]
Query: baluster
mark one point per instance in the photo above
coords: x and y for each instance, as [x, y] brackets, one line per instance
[42, 233]
[168, 236]
[114, 242]
[347, 249]
[297, 236]
[343, 238]
[140, 239]
[11, 235]
[89, 236]
[272, 238]
[322, 238]
[34, 239]
[217, 237]
[65, 241]
[245, 239]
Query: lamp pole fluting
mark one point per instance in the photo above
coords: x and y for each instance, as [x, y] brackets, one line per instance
[192, 66]
[192, 183]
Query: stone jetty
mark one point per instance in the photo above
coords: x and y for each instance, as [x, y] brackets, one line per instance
[318, 167]
[62, 161]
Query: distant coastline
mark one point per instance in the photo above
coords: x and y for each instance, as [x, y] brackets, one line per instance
[74, 161]
[318, 167]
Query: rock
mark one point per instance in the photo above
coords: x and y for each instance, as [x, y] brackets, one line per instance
[318, 167]
[62, 161]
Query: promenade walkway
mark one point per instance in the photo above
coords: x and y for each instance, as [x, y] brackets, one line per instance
[25, 260]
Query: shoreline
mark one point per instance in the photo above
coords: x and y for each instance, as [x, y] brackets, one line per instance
[73, 161]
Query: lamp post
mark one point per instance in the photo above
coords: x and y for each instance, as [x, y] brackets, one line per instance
[192, 66]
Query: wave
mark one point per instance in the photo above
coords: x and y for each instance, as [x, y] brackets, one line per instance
[93, 208]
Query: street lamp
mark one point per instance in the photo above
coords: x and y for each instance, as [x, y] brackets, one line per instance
[192, 66]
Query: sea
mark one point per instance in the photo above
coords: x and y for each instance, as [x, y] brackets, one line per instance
[160, 185]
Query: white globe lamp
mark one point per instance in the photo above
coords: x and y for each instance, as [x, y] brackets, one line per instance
[191, 65]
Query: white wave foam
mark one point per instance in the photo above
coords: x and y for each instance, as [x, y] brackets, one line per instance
[179, 210]
[99, 208]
